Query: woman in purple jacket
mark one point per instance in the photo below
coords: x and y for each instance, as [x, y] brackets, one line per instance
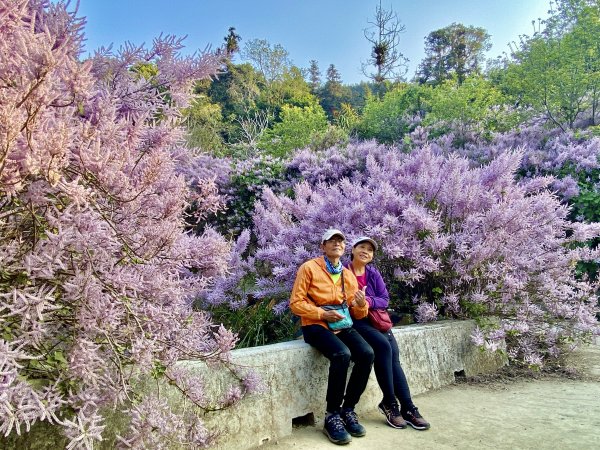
[388, 371]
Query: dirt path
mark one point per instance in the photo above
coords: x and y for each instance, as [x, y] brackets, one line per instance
[546, 413]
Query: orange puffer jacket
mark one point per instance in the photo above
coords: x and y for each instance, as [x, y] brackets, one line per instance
[313, 280]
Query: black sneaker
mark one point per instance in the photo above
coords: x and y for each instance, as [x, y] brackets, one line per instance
[415, 419]
[392, 415]
[335, 430]
[351, 422]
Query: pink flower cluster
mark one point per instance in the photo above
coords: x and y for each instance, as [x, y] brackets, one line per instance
[97, 272]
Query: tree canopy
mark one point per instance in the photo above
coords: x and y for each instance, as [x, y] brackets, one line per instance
[455, 50]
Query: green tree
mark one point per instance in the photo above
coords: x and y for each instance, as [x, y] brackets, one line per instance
[314, 76]
[565, 14]
[358, 94]
[249, 104]
[474, 108]
[232, 42]
[455, 50]
[295, 130]
[333, 75]
[333, 93]
[272, 61]
[556, 72]
[348, 118]
[237, 90]
[291, 89]
[383, 35]
[205, 125]
[388, 119]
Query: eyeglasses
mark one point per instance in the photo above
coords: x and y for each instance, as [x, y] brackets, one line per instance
[336, 239]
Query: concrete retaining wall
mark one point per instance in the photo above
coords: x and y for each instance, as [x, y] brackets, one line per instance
[296, 376]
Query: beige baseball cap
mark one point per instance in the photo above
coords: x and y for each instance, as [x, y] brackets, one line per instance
[365, 239]
[331, 233]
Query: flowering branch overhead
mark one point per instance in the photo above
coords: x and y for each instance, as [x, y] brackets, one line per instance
[97, 271]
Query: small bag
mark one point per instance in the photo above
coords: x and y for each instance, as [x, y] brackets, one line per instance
[342, 309]
[380, 319]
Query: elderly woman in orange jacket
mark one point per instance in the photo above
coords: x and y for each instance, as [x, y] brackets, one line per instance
[322, 283]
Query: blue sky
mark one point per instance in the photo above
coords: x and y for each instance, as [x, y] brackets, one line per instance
[329, 31]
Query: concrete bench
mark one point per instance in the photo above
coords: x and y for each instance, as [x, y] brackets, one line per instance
[296, 378]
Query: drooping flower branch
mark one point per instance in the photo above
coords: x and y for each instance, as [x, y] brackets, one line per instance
[97, 271]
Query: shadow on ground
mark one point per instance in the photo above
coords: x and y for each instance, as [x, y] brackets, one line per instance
[547, 412]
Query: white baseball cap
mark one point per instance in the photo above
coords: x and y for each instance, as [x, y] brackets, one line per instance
[365, 239]
[331, 233]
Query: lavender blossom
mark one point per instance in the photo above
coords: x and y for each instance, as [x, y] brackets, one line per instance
[496, 245]
[98, 271]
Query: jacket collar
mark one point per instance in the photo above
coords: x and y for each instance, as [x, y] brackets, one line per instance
[321, 262]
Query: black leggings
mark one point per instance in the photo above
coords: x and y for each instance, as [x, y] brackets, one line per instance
[339, 349]
[388, 371]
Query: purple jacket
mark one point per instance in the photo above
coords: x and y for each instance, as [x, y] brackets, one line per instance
[377, 294]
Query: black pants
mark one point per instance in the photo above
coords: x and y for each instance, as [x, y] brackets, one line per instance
[339, 349]
[388, 371]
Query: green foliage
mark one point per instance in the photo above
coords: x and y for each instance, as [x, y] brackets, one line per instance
[237, 90]
[348, 118]
[243, 95]
[244, 189]
[390, 118]
[454, 51]
[333, 93]
[256, 324]
[291, 89]
[586, 207]
[146, 70]
[297, 126]
[558, 72]
[272, 61]
[205, 125]
[232, 41]
[330, 137]
[473, 107]
[314, 75]
[587, 204]
[358, 95]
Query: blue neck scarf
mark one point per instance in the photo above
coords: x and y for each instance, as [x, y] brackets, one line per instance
[334, 270]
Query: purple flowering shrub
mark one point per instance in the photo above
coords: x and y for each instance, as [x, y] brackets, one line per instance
[97, 273]
[232, 301]
[545, 150]
[570, 160]
[332, 164]
[233, 284]
[232, 184]
[466, 241]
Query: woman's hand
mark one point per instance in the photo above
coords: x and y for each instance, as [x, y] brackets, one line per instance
[360, 298]
[331, 316]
